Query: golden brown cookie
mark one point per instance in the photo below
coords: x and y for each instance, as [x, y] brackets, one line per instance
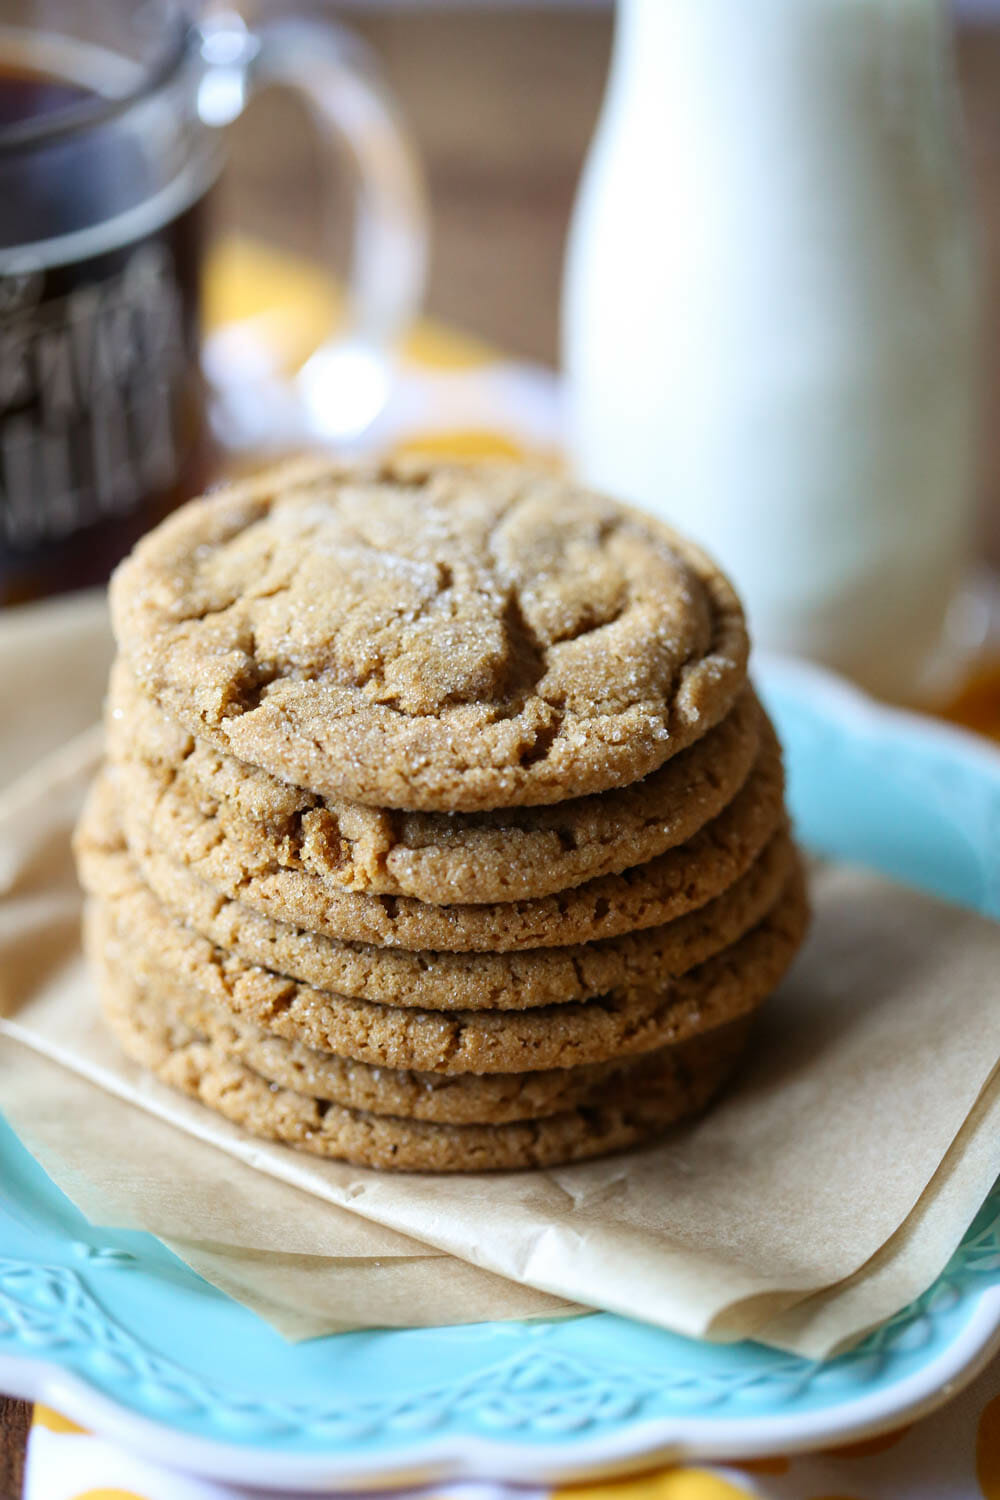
[170, 1016]
[631, 1113]
[161, 817]
[433, 981]
[570, 1035]
[506, 855]
[437, 637]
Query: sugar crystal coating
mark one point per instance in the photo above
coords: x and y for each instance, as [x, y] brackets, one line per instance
[453, 637]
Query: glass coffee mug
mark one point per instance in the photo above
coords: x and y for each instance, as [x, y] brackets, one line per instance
[110, 116]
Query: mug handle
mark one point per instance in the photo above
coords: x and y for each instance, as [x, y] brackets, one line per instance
[343, 386]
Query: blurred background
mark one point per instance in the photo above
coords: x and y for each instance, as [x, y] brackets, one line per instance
[767, 273]
[502, 99]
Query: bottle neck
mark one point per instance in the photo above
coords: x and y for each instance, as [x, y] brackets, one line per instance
[645, 39]
[888, 59]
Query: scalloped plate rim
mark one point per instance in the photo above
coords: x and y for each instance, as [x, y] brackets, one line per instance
[456, 1458]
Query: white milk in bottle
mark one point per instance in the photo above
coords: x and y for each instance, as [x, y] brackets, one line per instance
[770, 312]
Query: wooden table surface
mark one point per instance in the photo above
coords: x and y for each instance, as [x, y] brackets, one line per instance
[502, 106]
[14, 1419]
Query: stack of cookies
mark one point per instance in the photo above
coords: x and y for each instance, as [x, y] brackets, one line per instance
[439, 828]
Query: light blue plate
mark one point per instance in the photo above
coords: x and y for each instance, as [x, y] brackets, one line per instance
[112, 1329]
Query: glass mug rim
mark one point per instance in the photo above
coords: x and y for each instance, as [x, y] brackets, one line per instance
[97, 109]
[108, 413]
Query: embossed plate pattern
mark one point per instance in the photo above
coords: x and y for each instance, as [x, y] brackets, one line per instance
[111, 1328]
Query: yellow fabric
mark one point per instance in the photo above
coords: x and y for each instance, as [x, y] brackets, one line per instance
[470, 442]
[108, 1495]
[44, 1416]
[672, 1484]
[297, 305]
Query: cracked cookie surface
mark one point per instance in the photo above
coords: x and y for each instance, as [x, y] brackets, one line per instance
[432, 637]
[157, 816]
[504, 855]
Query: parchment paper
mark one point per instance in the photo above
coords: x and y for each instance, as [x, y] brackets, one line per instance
[54, 663]
[914, 1256]
[305, 1266]
[834, 1181]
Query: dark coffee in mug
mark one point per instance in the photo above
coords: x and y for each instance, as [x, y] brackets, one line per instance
[111, 122]
[102, 411]
[27, 95]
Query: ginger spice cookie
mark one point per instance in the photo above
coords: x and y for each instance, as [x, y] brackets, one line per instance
[630, 1111]
[451, 637]
[184, 909]
[157, 817]
[170, 1016]
[505, 855]
[569, 1035]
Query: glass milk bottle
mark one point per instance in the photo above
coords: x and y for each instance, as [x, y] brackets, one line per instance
[771, 307]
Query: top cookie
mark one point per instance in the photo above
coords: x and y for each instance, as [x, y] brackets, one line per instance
[450, 638]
